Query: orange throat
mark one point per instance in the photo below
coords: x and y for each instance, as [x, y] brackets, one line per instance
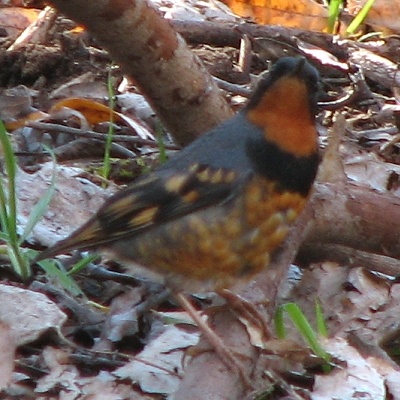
[287, 122]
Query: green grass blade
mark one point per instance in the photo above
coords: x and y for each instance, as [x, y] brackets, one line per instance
[54, 269]
[279, 323]
[8, 198]
[333, 13]
[18, 260]
[81, 264]
[14, 260]
[163, 157]
[3, 209]
[3, 236]
[360, 17]
[304, 328]
[322, 328]
[110, 133]
[41, 206]
[8, 208]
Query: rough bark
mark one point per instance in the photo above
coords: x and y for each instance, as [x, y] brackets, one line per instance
[149, 50]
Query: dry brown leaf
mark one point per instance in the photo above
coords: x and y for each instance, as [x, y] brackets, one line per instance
[368, 170]
[95, 113]
[384, 14]
[85, 85]
[29, 314]
[359, 377]
[306, 14]
[7, 350]
[15, 19]
[64, 381]
[158, 366]
[16, 108]
[32, 115]
[75, 201]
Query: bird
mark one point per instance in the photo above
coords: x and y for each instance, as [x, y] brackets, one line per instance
[215, 212]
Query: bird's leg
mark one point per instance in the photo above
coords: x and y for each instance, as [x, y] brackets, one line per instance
[247, 310]
[226, 355]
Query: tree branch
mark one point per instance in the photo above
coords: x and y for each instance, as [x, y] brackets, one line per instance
[148, 49]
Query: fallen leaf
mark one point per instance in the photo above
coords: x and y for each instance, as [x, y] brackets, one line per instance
[360, 377]
[16, 108]
[384, 14]
[306, 14]
[161, 364]
[366, 169]
[15, 19]
[75, 201]
[65, 381]
[29, 314]
[95, 113]
[7, 350]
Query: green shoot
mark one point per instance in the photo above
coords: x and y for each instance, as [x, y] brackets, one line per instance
[334, 9]
[163, 157]
[111, 129]
[142, 164]
[55, 270]
[8, 208]
[81, 264]
[360, 17]
[322, 328]
[41, 206]
[302, 325]
[20, 258]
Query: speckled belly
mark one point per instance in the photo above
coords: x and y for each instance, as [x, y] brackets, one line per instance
[219, 244]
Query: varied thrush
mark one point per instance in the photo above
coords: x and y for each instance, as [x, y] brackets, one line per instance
[217, 210]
